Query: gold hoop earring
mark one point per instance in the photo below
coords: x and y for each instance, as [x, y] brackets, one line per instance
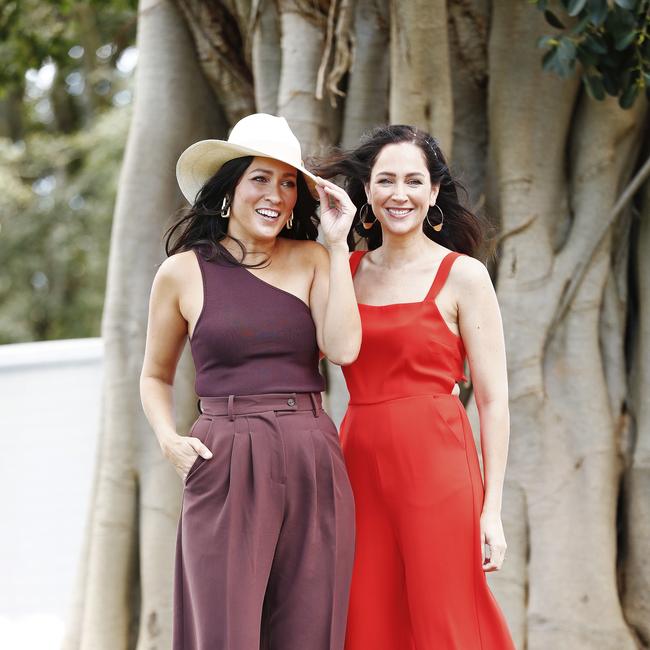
[438, 226]
[362, 216]
[290, 221]
[225, 207]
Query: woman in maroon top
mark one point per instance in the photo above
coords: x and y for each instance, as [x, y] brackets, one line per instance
[265, 541]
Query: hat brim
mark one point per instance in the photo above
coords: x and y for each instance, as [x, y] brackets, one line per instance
[200, 161]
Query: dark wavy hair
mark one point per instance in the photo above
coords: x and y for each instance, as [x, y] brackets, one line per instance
[203, 226]
[462, 230]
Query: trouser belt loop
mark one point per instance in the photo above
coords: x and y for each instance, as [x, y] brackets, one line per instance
[314, 404]
[231, 407]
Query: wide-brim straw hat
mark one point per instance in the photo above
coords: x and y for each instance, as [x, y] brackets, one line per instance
[259, 134]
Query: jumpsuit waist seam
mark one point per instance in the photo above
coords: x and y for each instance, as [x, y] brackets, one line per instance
[435, 395]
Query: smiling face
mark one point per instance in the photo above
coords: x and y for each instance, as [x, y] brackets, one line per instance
[400, 191]
[263, 200]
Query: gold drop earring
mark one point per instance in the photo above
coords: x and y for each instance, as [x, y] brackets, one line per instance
[438, 226]
[362, 216]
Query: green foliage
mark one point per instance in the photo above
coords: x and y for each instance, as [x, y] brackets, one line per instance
[33, 31]
[80, 42]
[63, 126]
[56, 210]
[610, 40]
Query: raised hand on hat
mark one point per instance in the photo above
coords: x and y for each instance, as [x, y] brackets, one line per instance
[332, 300]
[336, 213]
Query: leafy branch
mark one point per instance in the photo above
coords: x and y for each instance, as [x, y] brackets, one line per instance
[608, 40]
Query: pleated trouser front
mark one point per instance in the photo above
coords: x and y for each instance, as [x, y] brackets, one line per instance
[266, 537]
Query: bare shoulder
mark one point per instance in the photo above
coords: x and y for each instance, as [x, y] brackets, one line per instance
[307, 251]
[175, 269]
[469, 275]
[308, 247]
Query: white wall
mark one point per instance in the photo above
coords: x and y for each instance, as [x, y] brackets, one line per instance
[49, 421]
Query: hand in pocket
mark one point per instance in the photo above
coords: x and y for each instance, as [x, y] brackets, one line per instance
[183, 452]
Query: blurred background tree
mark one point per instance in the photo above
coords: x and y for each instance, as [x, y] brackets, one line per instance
[66, 74]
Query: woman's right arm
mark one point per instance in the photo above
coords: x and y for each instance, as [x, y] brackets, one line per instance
[166, 334]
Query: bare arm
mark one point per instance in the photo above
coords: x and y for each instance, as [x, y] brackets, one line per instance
[332, 299]
[166, 333]
[482, 332]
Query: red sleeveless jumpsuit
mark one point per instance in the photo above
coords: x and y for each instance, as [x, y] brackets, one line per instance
[417, 581]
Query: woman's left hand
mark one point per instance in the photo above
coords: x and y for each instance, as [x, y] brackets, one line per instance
[336, 212]
[492, 536]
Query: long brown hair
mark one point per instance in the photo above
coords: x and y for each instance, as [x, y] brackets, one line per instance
[462, 231]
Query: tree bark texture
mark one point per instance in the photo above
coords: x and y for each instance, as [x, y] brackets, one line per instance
[636, 530]
[125, 586]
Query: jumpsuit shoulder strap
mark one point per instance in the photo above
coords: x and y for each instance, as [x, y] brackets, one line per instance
[442, 274]
[355, 258]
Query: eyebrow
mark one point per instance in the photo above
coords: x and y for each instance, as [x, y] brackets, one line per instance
[392, 174]
[268, 171]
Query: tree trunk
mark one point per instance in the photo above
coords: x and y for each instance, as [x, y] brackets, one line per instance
[564, 446]
[222, 54]
[468, 35]
[267, 58]
[366, 103]
[517, 147]
[136, 498]
[420, 91]
[314, 121]
[637, 479]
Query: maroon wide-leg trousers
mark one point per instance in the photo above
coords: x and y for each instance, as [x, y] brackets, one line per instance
[266, 537]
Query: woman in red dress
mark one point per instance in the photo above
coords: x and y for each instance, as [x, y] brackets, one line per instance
[428, 526]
